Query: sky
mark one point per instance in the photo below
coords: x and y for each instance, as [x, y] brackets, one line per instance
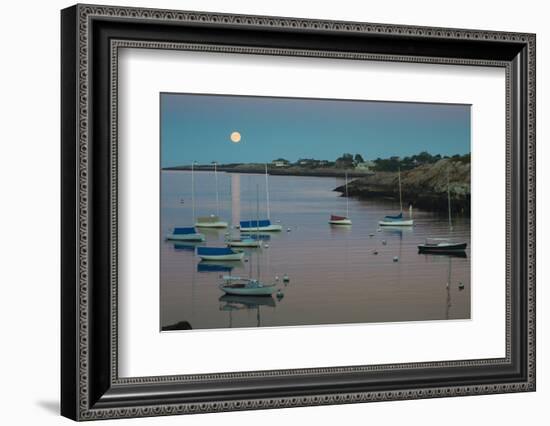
[198, 128]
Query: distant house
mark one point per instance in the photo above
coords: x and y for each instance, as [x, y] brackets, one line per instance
[281, 162]
[365, 166]
[311, 162]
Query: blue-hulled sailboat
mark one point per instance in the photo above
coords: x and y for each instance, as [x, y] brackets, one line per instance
[398, 220]
[264, 225]
[185, 234]
[219, 253]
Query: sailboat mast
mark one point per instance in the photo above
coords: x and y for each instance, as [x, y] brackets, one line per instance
[347, 198]
[449, 201]
[448, 301]
[217, 195]
[400, 196]
[258, 227]
[193, 189]
[267, 193]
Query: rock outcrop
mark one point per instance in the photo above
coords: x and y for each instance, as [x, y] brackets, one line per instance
[425, 187]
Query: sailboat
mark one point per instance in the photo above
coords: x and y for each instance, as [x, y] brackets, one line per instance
[219, 253]
[243, 242]
[188, 233]
[342, 220]
[263, 225]
[398, 220]
[212, 221]
[443, 245]
[239, 286]
[185, 234]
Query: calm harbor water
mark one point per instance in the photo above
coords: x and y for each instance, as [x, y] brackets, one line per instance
[334, 275]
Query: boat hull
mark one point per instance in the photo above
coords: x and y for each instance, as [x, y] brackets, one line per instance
[409, 222]
[443, 248]
[185, 237]
[340, 222]
[219, 224]
[252, 243]
[231, 256]
[270, 228]
[243, 291]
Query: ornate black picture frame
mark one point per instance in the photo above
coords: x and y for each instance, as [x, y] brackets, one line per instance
[91, 386]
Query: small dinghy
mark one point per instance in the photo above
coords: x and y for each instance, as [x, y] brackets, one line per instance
[441, 245]
[239, 286]
[263, 225]
[185, 234]
[219, 253]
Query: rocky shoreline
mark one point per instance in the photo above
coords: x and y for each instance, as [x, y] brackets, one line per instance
[425, 187]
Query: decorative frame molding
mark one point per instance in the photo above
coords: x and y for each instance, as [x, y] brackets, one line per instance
[91, 37]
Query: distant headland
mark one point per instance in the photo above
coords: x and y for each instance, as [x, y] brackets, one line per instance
[423, 177]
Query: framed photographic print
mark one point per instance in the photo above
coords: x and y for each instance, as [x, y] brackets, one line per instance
[263, 212]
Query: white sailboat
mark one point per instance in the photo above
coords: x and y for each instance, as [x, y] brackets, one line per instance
[398, 220]
[212, 221]
[239, 286]
[342, 220]
[444, 245]
[263, 225]
[188, 233]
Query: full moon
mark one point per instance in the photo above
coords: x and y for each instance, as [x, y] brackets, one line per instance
[235, 137]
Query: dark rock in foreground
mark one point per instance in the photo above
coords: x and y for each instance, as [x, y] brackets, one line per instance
[182, 325]
[425, 187]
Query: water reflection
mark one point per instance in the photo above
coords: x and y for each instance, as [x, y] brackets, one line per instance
[231, 303]
[235, 198]
[213, 232]
[217, 266]
[189, 246]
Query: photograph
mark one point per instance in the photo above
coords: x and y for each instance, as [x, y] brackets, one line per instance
[280, 211]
